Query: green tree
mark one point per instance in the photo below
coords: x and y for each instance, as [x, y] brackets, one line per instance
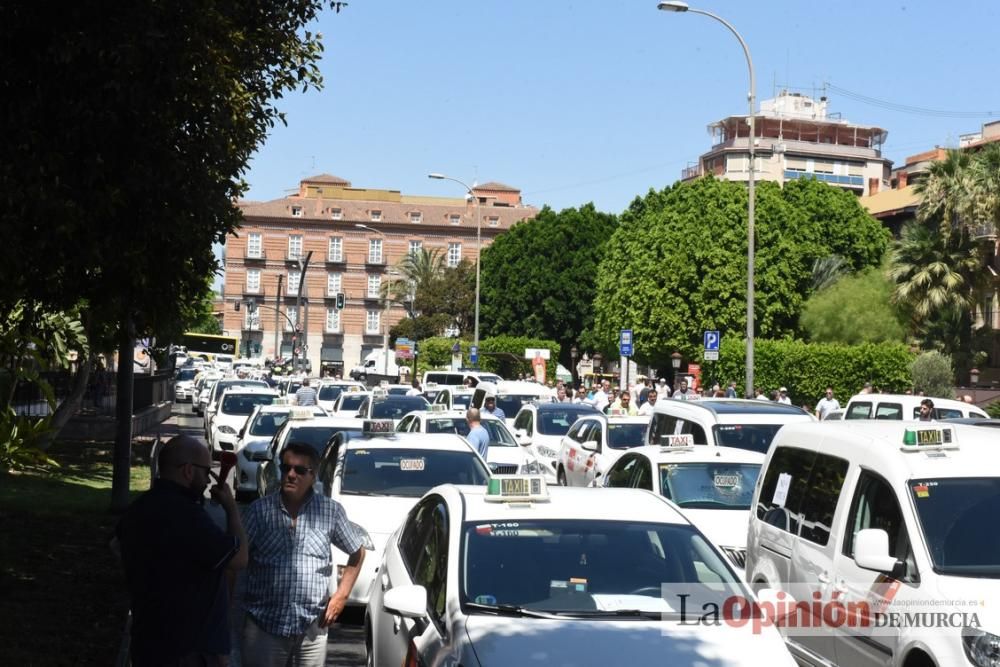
[933, 374]
[948, 193]
[538, 279]
[451, 297]
[854, 309]
[677, 263]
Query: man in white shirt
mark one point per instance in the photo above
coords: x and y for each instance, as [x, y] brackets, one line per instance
[600, 399]
[783, 396]
[647, 407]
[826, 405]
[685, 394]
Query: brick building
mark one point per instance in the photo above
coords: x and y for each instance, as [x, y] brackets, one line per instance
[355, 235]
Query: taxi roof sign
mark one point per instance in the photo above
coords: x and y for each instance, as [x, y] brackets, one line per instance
[516, 488]
[437, 407]
[927, 439]
[301, 412]
[678, 441]
[377, 426]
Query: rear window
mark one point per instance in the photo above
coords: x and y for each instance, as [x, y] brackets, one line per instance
[512, 403]
[556, 422]
[625, 436]
[409, 472]
[397, 407]
[315, 436]
[330, 392]
[351, 401]
[268, 423]
[753, 437]
[859, 410]
[243, 404]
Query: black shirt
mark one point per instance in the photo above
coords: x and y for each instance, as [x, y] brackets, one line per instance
[175, 557]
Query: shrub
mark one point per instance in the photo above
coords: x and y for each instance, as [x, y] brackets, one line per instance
[933, 374]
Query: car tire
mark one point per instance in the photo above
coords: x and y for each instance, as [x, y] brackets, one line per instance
[561, 477]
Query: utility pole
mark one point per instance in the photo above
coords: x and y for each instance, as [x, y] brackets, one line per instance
[303, 267]
[277, 312]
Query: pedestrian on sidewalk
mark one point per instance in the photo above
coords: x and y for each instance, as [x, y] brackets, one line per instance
[176, 560]
[826, 405]
[288, 603]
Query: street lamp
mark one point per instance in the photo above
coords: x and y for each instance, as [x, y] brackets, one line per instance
[675, 361]
[479, 248]
[751, 96]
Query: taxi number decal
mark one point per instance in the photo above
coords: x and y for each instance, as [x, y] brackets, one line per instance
[727, 481]
[411, 464]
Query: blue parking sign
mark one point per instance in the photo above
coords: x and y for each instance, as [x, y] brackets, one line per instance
[625, 343]
[712, 340]
[474, 354]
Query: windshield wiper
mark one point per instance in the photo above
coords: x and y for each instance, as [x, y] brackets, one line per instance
[509, 610]
[618, 613]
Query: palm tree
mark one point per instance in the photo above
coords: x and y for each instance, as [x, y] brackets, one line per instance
[986, 184]
[414, 272]
[948, 193]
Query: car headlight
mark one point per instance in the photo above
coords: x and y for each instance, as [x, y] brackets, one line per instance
[530, 468]
[547, 451]
[981, 648]
[228, 430]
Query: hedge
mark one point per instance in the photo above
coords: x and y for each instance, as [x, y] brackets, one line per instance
[807, 369]
[503, 355]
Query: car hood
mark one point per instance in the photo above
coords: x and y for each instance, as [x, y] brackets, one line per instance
[518, 641]
[379, 515]
[515, 455]
[723, 528]
[976, 594]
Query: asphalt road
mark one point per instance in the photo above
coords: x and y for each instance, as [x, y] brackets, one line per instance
[346, 648]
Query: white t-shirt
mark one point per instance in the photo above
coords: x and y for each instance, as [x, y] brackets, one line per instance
[825, 406]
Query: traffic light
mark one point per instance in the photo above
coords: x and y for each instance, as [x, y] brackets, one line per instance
[340, 300]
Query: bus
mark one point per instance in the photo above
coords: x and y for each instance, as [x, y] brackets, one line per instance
[220, 349]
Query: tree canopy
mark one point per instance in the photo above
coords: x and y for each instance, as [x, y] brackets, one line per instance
[538, 279]
[855, 309]
[677, 263]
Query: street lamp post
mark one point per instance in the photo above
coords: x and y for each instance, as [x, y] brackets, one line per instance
[751, 97]
[479, 248]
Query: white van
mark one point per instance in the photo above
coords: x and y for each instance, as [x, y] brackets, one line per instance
[883, 533]
[906, 406]
[730, 422]
[447, 378]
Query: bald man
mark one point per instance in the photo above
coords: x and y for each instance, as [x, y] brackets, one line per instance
[175, 560]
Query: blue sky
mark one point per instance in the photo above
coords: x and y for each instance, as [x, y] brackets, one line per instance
[585, 101]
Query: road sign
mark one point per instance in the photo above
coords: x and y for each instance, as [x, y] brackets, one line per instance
[625, 342]
[532, 352]
[711, 355]
[474, 354]
[404, 348]
[712, 340]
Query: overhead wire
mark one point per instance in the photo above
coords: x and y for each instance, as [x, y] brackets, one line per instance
[910, 109]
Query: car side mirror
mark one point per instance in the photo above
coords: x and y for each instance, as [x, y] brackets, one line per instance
[261, 456]
[871, 550]
[590, 446]
[522, 437]
[407, 601]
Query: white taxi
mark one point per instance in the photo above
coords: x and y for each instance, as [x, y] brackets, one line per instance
[541, 427]
[347, 404]
[254, 440]
[329, 390]
[504, 456]
[889, 530]
[594, 443]
[378, 475]
[510, 574]
[235, 406]
[711, 485]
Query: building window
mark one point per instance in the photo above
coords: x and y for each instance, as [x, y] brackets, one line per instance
[337, 214]
[374, 285]
[333, 283]
[291, 319]
[455, 219]
[296, 211]
[454, 254]
[416, 218]
[295, 246]
[253, 280]
[254, 246]
[251, 320]
[332, 320]
[494, 222]
[335, 251]
[372, 321]
[375, 251]
[376, 216]
[415, 247]
[293, 282]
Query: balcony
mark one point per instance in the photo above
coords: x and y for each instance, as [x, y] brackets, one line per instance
[258, 256]
[335, 259]
[294, 257]
[832, 179]
[373, 260]
[251, 292]
[688, 173]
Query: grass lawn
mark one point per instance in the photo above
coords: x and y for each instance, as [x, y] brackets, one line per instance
[62, 591]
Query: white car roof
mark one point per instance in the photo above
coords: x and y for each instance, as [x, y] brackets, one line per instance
[436, 441]
[698, 454]
[284, 408]
[450, 414]
[252, 390]
[621, 419]
[324, 421]
[877, 445]
[571, 503]
[734, 411]
[911, 401]
[523, 387]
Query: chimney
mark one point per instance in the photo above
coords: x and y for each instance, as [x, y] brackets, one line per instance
[902, 178]
[873, 184]
[319, 202]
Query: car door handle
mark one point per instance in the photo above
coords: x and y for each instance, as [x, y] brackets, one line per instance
[823, 578]
[385, 581]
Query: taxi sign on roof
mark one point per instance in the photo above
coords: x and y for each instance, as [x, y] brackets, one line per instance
[437, 407]
[516, 488]
[377, 426]
[925, 439]
[301, 413]
[379, 392]
[672, 441]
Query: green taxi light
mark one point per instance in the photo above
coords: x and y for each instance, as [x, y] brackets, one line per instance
[493, 488]
[909, 438]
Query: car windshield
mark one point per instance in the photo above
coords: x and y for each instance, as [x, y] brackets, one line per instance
[243, 404]
[954, 515]
[349, 401]
[223, 385]
[315, 436]
[753, 437]
[727, 486]
[511, 403]
[461, 400]
[186, 374]
[499, 435]
[268, 423]
[330, 392]
[397, 407]
[409, 472]
[574, 566]
[625, 436]
[557, 421]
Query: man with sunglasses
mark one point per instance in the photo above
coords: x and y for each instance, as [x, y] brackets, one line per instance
[288, 602]
[175, 559]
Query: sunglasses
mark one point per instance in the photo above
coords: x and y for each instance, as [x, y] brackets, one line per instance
[299, 470]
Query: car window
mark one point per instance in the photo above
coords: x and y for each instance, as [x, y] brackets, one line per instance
[784, 486]
[660, 425]
[431, 565]
[409, 472]
[267, 423]
[889, 411]
[350, 401]
[330, 392]
[709, 485]
[643, 474]
[859, 410]
[411, 538]
[820, 502]
[404, 424]
[555, 421]
[316, 437]
[874, 505]
[396, 407]
[511, 403]
[621, 472]
[752, 437]
[957, 516]
[625, 436]
[695, 429]
[574, 431]
[243, 404]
